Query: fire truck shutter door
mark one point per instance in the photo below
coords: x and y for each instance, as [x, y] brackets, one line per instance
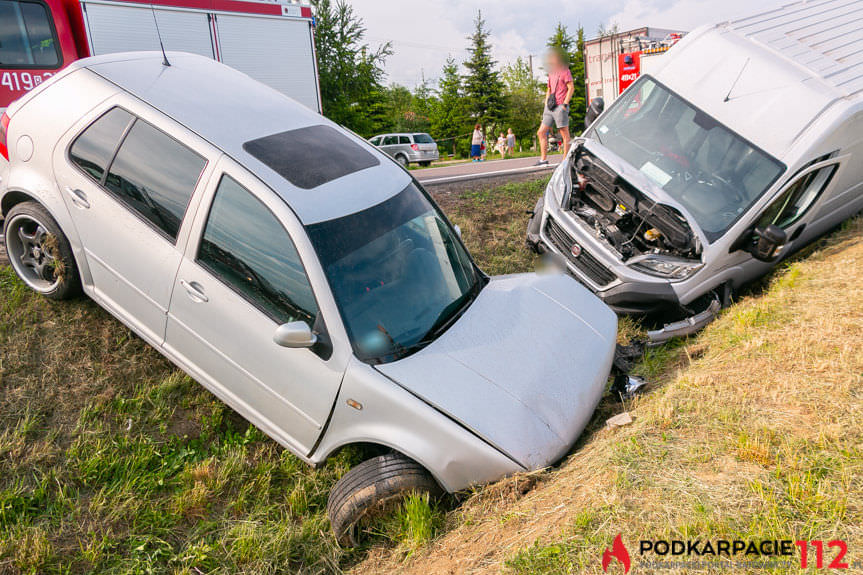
[275, 51]
[114, 28]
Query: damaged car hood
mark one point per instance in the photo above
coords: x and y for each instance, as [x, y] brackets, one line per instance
[524, 368]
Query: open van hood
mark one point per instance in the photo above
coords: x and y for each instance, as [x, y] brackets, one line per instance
[523, 368]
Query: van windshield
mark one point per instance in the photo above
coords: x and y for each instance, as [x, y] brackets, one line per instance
[399, 275]
[26, 36]
[710, 170]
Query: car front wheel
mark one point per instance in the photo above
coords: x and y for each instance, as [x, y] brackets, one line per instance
[40, 253]
[373, 489]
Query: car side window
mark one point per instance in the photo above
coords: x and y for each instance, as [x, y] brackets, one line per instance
[93, 149]
[155, 176]
[404, 140]
[797, 199]
[390, 140]
[376, 141]
[246, 247]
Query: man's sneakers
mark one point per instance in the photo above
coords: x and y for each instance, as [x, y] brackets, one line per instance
[542, 163]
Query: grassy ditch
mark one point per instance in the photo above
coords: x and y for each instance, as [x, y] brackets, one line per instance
[113, 461]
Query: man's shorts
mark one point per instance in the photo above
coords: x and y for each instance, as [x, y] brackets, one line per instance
[559, 118]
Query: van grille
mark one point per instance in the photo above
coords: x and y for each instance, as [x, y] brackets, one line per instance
[586, 263]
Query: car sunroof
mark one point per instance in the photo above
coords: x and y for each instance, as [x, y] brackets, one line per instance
[311, 156]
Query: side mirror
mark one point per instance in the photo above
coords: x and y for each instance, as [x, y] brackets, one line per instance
[769, 241]
[457, 230]
[295, 335]
[597, 106]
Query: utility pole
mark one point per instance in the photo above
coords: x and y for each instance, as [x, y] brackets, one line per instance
[530, 59]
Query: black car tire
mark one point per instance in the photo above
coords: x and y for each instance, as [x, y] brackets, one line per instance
[402, 160]
[372, 489]
[38, 248]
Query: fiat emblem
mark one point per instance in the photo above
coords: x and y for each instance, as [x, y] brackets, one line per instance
[575, 250]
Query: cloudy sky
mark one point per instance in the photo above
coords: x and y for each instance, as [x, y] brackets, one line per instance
[425, 32]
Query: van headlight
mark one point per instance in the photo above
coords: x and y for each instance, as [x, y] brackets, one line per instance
[558, 182]
[667, 267]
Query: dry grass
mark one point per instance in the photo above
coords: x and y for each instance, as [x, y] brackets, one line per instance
[750, 430]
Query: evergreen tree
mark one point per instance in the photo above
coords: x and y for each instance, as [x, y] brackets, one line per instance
[578, 106]
[483, 87]
[448, 112]
[350, 73]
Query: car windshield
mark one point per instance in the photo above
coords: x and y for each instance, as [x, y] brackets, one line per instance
[399, 274]
[710, 170]
[423, 139]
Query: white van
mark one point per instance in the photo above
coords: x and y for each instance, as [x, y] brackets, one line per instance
[744, 145]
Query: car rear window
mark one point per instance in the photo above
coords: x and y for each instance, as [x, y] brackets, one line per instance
[155, 176]
[94, 148]
[311, 156]
[27, 38]
[423, 139]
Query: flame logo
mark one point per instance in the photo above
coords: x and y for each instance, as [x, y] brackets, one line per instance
[619, 552]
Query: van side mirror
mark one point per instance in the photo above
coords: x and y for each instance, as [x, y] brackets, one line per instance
[295, 335]
[768, 242]
[597, 106]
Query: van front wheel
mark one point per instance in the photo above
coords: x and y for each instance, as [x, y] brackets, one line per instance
[373, 489]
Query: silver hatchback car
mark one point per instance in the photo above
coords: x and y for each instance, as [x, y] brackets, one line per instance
[408, 148]
[330, 303]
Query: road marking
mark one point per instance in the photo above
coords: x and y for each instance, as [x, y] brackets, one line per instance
[481, 175]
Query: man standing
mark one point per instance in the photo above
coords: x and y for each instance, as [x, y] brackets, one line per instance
[557, 97]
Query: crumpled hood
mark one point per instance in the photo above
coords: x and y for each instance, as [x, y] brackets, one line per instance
[523, 368]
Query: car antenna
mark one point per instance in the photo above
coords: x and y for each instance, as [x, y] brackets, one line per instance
[728, 95]
[159, 34]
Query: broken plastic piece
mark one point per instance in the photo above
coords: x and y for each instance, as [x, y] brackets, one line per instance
[627, 386]
[684, 327]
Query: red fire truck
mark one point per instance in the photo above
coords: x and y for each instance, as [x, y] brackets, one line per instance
[270, 40]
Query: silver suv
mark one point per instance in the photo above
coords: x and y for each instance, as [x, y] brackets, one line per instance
[408, 148]
[330, 303]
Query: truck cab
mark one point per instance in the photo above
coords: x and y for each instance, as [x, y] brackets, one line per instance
[37, 39]
[271, 41]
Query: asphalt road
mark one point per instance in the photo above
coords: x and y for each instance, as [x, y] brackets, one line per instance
[480, 170]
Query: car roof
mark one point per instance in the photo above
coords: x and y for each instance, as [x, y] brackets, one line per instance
[770, 76]
[229, 110]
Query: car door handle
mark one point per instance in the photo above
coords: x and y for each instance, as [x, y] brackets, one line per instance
[194, 291]
[79, 198]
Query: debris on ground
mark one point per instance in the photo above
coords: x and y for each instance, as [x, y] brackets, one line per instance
[619, 420]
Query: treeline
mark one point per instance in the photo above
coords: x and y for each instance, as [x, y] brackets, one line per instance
[476, 90]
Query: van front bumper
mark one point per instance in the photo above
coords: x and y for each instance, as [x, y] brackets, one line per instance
[576, 252]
